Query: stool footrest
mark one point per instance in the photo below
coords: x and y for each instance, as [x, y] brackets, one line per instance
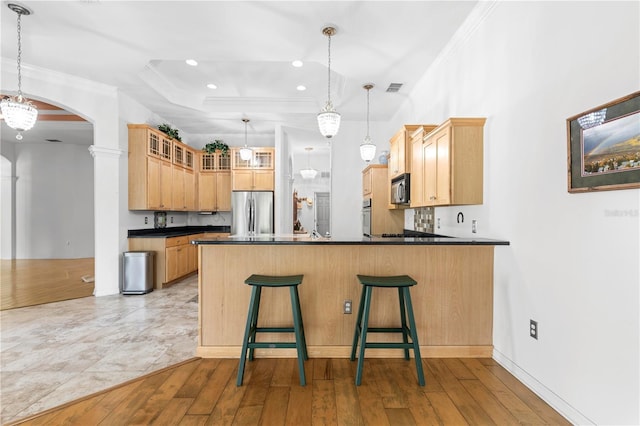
[274, 330]
[268, 345]
[386, 330]
[389, 345]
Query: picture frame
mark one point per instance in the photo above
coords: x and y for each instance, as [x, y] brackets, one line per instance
[603, 147]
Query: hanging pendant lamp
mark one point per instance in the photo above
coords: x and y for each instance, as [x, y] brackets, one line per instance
[18, 112]
[328, 118]
[367, 148]
[308, 173]
[245, 151]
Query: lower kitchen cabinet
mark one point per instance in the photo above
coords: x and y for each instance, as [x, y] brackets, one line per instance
[174, 257]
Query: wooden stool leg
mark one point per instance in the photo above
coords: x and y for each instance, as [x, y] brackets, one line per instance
[304, 339]
[363, 338]
[414, 337]
[295, 308]
[356, 333]
[254, 318]
[247, 333]
[403, 319]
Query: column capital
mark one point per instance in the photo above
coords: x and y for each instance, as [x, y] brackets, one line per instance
[97, 151]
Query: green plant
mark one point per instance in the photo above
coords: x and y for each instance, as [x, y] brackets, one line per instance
[216, 145]
[169, 131]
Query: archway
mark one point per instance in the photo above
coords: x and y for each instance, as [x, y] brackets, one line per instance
[47, 210]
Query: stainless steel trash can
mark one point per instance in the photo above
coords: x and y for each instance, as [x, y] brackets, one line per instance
[137, 272]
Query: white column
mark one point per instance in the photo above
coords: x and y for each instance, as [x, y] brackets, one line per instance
[107, 224]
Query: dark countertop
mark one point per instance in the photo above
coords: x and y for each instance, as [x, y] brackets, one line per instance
[292, 240]
[176, 231]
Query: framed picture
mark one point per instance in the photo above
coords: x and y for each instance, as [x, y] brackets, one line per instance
[604, 147]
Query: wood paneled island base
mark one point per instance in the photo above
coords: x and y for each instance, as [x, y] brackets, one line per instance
[453, 300]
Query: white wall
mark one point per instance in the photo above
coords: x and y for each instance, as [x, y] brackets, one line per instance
[54, 201]
[572, 264]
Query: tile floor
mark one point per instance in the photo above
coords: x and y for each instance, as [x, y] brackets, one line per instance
[54, 353]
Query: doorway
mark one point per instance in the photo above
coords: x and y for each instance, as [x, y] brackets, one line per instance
[322, 204]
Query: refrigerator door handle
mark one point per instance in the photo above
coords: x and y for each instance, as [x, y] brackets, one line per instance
[252, 217]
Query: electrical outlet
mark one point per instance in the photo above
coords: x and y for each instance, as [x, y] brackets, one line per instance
[146, 220]
[474, 226]
[347, 306]
[533, 329]
[171, 219]
[438, 223]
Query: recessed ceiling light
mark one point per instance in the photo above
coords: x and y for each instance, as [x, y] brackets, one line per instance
[212, 86]
[192, 62]
[297, 63]
[301, 88]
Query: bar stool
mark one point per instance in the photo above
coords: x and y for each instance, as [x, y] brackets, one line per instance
[249, 341]
[402, 283]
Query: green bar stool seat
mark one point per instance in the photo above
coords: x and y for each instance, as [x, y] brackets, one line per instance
[249, 342]
[402, 283]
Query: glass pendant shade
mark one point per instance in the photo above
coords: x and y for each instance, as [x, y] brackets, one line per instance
[328, 122]
[19, 114]
[367, 149]
[308, 173]
[245, 154]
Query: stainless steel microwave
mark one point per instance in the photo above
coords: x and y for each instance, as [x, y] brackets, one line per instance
[401, 189]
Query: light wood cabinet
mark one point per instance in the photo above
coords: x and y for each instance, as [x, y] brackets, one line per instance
[417, 164]
[367, 182]
[150, 169]
[255, 174]
[214, 182]
[453, 163]
[175, 257]
[400, 151]
[383, 220]
[214, 191]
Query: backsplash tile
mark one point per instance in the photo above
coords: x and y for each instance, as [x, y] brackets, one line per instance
[423, 219]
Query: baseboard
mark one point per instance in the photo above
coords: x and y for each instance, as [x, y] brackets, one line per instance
[558, 404]
[345, 352]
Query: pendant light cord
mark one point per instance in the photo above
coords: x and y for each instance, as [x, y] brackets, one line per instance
[19, 60]
[329, 72]
[368, 90]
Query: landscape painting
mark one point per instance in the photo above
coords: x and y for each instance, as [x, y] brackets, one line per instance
[612, 147]
[603, 147]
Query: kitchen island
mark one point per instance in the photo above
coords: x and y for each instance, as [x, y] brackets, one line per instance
[453, 300]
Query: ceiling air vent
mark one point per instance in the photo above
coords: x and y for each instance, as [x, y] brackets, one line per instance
[394, 87]
[53, 140]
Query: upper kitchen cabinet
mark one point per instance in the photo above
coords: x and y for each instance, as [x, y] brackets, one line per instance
[400, 151]
[255, 174]
[214, 182]
[183, 194]
[417, 172]
[452, 163]
[150, 169]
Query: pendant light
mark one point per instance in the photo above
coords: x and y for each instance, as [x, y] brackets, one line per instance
[367, 148]
[308, 173]
[328, 118]
[18, 112]
[245, 151]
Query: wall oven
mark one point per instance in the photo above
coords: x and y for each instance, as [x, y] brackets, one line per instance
[366, 217]
[401, 189]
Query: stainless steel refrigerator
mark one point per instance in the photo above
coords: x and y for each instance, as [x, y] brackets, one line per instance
[251, 213]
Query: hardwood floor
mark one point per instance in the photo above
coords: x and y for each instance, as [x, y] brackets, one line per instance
[459, 391]
[28, 282]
